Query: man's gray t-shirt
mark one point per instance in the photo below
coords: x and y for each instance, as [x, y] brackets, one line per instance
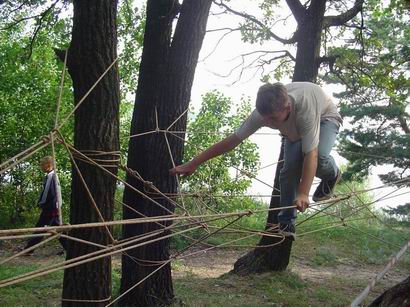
[310, 106]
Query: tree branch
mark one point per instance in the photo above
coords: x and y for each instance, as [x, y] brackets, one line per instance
[261, 62]
[339, 20]
[39, 26]
[403, 124]
[298, 10]
[222, 29]
[18, 7]
[229, 31]
[259, 23]
[41, 15]
[285, 53]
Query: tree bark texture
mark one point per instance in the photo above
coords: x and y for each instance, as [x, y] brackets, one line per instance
[164, 88]
[268, 256]
[96, 127]
[309, 42]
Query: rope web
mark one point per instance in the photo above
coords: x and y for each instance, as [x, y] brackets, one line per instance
[209, 222]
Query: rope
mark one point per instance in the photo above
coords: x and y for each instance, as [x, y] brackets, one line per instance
[87, 190]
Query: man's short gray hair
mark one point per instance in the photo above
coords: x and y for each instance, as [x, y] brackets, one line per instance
[271, 98]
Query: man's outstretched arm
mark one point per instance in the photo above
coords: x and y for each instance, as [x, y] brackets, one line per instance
[215, 150]
[308, 173]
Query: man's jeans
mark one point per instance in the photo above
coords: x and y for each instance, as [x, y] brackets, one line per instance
[291, 172]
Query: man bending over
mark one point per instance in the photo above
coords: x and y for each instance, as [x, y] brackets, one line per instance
[309, 122]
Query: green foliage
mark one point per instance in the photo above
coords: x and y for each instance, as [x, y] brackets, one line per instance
[213, 122]
[131, 25]
[376, 99]
[37, 18]
[402, 212]
[253, 33]
[28, 94]
[29, 81]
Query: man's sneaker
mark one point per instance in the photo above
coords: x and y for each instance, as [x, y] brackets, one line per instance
[288, 230]
[325, 189]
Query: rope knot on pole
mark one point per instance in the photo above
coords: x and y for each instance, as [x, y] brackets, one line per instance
[148, 185]
[248, 213]
[46, 139]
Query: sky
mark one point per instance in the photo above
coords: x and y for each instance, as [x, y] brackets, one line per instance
[219, 56]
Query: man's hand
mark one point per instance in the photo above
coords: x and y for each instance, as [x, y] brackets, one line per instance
[302, 202]
[184, 169]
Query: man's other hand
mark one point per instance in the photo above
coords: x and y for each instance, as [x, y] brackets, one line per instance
[184, 169]
[302, 202]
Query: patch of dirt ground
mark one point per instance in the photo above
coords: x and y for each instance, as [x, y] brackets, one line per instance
[212, 264]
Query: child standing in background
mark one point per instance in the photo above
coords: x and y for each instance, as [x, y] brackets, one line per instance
[49, 202]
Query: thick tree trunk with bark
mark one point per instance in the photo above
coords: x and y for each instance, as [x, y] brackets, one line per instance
[269, 255]
[92, 50]
[309, 42]
[311, 22]
[164, 88]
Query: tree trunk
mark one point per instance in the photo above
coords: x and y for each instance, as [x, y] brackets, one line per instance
[309, 42]
[268, 258]
[92, 50]
[164, 88]
[399, 295]
[276, 258]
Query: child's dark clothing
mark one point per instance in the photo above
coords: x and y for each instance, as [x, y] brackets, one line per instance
[48, 203]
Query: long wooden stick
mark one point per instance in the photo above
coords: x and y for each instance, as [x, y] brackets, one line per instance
[60, 95]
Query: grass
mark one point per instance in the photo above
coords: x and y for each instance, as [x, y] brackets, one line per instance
[42, 291]
[280, 289]
[368, 242]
